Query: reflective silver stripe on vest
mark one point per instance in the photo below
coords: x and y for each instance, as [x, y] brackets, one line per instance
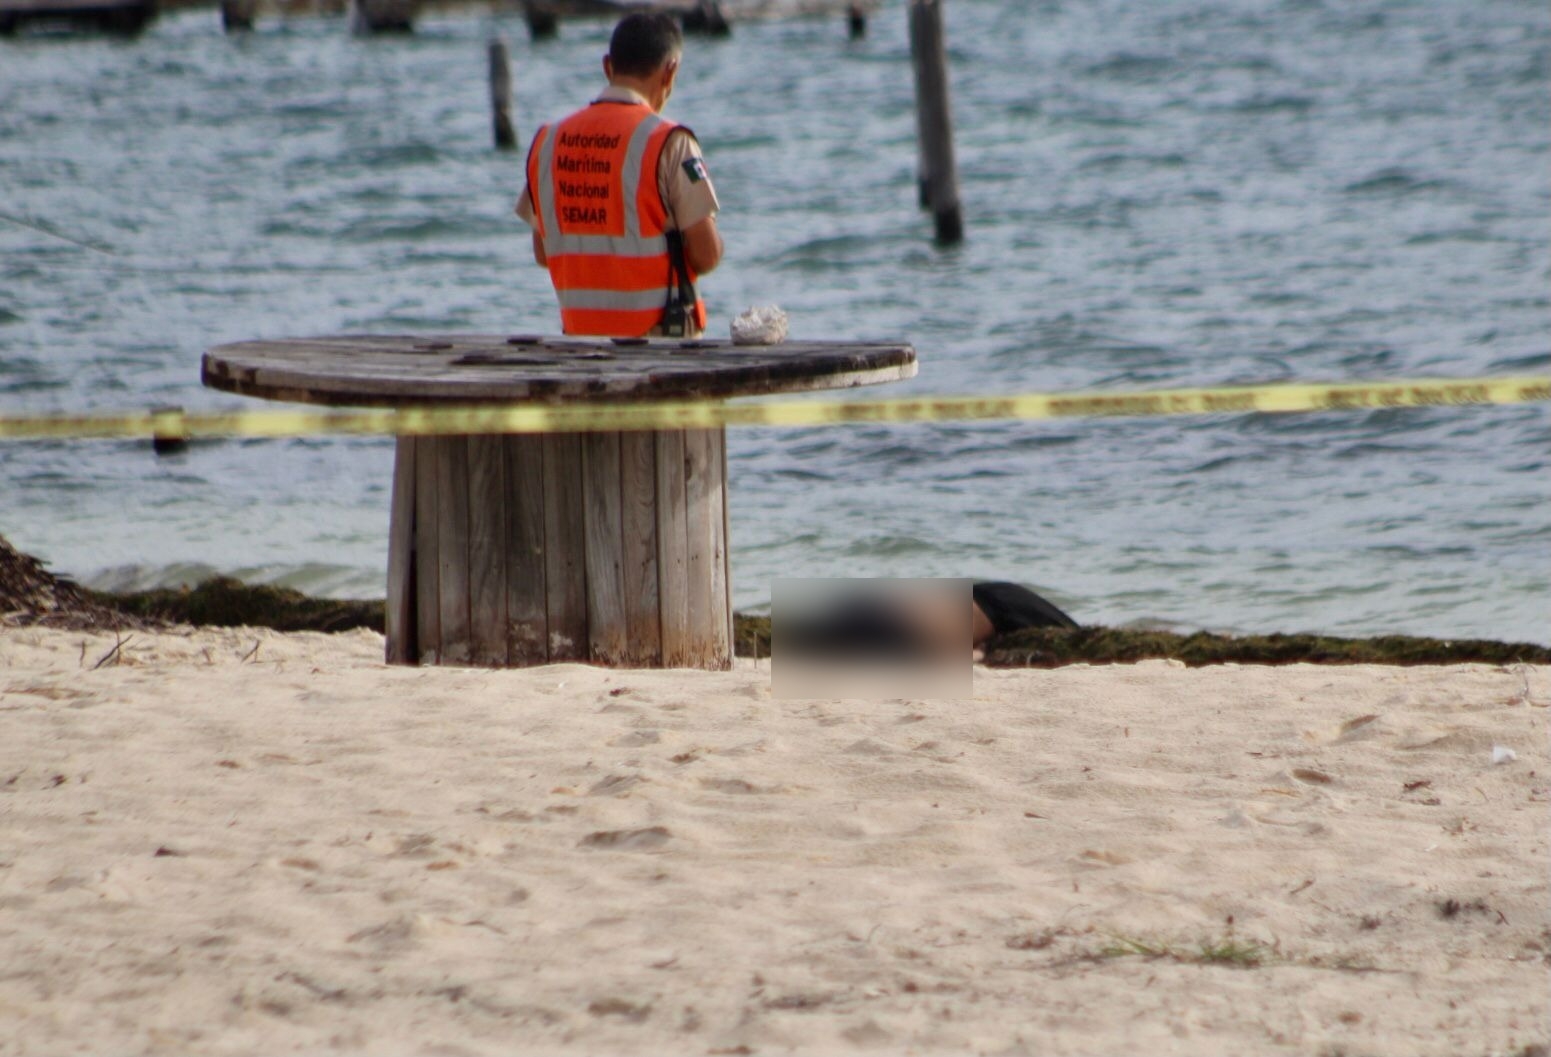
[631, 244]
[632, 174]
[545, 191]
[620, 301]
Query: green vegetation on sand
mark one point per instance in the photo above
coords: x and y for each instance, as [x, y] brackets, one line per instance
[29, 594]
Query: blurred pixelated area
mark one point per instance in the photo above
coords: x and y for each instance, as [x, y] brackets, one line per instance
[871, 638]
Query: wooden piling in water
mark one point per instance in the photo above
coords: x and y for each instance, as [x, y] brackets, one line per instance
[238, 15]
[707, 18]
[385, 16]
[856, 21]
[505, 134]
[934, 120]
[542, 18]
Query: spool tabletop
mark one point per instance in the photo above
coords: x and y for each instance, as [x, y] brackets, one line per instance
[403, 370]
[516, 550]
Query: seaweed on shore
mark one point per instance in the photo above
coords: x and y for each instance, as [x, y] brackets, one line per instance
[224, 602]
[29, 594]
[1056, 647]
[750, 636]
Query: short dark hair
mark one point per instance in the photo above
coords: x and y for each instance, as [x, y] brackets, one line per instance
[642, 42]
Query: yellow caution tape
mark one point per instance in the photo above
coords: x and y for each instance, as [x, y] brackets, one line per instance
[529, 418]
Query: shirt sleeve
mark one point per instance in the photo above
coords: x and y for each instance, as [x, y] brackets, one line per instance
[684, 181]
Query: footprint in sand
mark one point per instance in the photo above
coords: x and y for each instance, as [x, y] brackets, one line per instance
[401, 932]
[1358, 728]
[627, 839]
[730, 785]
[615, 785]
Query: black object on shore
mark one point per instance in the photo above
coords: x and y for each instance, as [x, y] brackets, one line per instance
[1013, 607]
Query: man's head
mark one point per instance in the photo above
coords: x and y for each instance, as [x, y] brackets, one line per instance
[644, 55]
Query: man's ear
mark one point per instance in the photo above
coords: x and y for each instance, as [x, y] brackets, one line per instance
[608, 66]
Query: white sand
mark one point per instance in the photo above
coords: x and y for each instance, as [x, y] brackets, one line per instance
[307, 850]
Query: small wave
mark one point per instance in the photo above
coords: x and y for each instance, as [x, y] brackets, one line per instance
[728, 145]
[1274, 104]
[1414, 553]
[1537, 69]
[428, 229]
[888, 547]
[318, 579]
[1394, 182]
[1133, 68]
[1368, 449]
[1222, 462]
[395, 155]
[310, 109]
[1535, 361]
[1431, 238]
[1123, 160]
[7, 316]
[1276, 298]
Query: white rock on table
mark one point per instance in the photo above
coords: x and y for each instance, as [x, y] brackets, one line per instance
[761, 325]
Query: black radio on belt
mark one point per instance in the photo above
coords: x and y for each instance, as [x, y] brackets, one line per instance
[681, 292]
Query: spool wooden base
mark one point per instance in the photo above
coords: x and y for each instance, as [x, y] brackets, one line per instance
[606, 548]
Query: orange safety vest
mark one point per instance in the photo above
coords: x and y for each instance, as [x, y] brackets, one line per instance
[600, 214]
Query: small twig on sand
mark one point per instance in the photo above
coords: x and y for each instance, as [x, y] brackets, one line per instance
[112, 655]
[253, 653]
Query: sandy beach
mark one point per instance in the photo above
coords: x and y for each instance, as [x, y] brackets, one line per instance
[237, 841]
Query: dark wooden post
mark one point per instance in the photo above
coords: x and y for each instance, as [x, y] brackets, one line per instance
[856, 20]
[501, 96]
[385, 16]
[238, 15]
[542, 18]
[706, 17]
[170, 436]
[934, 120]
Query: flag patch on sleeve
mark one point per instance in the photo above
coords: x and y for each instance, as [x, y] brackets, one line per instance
[695, 169]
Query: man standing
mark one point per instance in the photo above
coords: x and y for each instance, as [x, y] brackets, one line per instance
[622, 208]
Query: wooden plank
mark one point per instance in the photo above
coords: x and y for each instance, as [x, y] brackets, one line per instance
[428, 615]
[527, 619]
[726, 543]
[452, 548]
[565, 571]
[702, 519]
[672, 550]
[638, 503]
[605, 559]
[487, 550]
[399, 610]
[721, 617]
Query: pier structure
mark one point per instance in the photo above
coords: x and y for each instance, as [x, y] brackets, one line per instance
[119, 17]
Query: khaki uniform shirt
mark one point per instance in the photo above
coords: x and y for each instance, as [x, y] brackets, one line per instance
[689, 198]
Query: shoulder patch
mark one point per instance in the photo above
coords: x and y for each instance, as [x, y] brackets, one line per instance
[695, 169]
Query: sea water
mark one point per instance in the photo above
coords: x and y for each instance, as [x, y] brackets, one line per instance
[1181, 193]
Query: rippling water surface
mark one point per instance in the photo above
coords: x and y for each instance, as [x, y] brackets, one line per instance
[1181, 193]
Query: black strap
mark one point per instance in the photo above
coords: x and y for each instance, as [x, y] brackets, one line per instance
[681, 292]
